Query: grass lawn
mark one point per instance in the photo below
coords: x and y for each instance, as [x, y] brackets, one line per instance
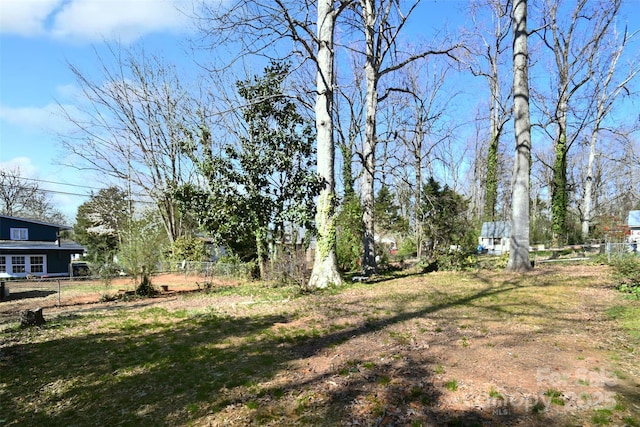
[555, 347]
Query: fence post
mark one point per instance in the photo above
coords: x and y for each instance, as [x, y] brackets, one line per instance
[1, 291]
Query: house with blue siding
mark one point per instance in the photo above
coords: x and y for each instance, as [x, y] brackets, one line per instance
[34, 248]
[494, 236]
[633, 222]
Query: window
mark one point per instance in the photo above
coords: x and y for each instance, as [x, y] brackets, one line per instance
[3, 264]
[37, 264]
[18, 264]
[19, 234]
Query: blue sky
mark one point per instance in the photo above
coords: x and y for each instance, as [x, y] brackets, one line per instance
[39, 37]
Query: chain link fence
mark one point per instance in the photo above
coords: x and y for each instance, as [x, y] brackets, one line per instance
[617, 250]
[67, 288]
[207, 269]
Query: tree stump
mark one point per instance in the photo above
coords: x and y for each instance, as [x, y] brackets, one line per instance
[31, 318]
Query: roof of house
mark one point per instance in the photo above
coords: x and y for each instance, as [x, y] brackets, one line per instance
[23, 245]
[34, 221]
[634, 219]
[495, 229]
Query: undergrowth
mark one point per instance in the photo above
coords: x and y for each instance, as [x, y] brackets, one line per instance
[626, 272]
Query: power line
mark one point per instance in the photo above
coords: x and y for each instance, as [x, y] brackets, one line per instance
[75, 186]
[59, 183]
[67, 193]
[44, 190]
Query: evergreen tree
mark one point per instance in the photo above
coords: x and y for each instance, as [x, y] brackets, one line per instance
[444, 217]
[263, 184]
[386, 211]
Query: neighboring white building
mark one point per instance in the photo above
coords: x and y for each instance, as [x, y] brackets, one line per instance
[494, 236]
[633, 222]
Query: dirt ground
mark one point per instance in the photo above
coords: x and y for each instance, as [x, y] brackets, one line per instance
[59, 297]
[509, 366]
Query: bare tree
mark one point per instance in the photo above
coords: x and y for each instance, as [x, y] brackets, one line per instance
[382, 22]
[610, 84]
[616, 178]
[574, 44]
[519, 240]
[486, 63]
[130, 128]
[15, 192]
[420, 126]
[325, 266]
[23, 197]
[349, 116]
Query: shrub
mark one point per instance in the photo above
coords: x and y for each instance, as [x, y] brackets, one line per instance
[450, 261]
[407, 248]
[626, 272]
[349, 234]
[382, 256]
[188, 248]
[289, 267]
[145, 288]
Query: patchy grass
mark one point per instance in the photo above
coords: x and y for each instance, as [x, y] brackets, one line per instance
[555, 397]
[368, 354]
[451, 385]
[628, 315]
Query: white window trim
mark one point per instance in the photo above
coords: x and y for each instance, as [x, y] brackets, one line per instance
[27, 265]
[43, 264]
[22, 265]
[19, 234]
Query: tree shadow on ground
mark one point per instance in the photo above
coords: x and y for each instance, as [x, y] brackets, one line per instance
[13, 296]
[178, 368]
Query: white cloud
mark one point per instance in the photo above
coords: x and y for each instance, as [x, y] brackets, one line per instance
[26, 117]
[23, 164]
[47, 119]
[68, 91]
[93, 20]
[25, 17]
[123, 20]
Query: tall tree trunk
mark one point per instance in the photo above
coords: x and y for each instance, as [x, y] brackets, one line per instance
[262, 250]
[347, 171]
[519, 240]
[587, 204]
[325, 266]
[575, 59]
[369, 265]
[490, 51]
[418, 205]
[491, 191]
[606, 95]
[559, 193]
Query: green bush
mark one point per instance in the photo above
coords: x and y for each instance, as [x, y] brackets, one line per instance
[349, 232]
[382, 257]
[145, 288]
[407, 248]
[188, 248]
[450, 261]
[626, 272]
